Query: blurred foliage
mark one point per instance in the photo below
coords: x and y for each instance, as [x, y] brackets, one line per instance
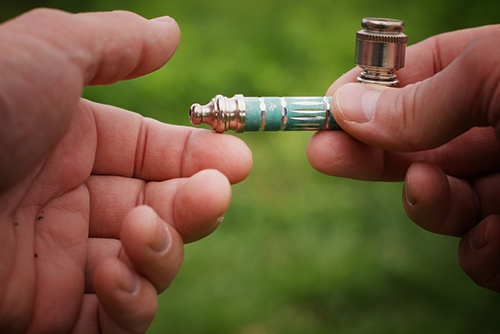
[298, 252]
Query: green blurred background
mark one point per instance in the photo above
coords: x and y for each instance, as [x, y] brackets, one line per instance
[298, 252]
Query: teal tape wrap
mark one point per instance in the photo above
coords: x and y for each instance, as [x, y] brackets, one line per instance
[289, 114]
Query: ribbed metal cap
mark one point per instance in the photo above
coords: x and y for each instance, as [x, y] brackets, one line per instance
[380, 50]
[382, 30]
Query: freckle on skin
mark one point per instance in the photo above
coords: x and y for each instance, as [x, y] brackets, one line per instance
[36, 255]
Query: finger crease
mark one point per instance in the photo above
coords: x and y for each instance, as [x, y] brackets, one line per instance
[141, 196]
[140, 149]
[184, 153]
[437, 59]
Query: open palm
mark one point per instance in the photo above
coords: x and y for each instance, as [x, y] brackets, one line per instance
[96, 202]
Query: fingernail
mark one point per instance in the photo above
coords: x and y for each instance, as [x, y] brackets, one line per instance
[162, 19]
[356, 102]
[129, 280]
[408, 197]
[161, 239]
[478, 237]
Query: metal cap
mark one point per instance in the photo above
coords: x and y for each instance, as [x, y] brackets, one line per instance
[380, 50]
[221, 113]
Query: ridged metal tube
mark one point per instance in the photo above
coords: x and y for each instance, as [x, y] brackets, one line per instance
[241, 114]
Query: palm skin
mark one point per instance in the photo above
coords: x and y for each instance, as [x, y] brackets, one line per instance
[96, 202]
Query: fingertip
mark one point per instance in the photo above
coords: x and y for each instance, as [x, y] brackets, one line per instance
[404, 119]
[437, 202]
[127, 301]
[239, 161]
[170, 34]
[200, 203]
[152, 246]
[163, 19]
[121, 45]
[355, 103]
[113, 277]
[426, 194]
[247, 162]
[337, 153]
[323, 154]
[479, 253]
[372, 114]
[314, 152]
[225, 153]
[143, 228]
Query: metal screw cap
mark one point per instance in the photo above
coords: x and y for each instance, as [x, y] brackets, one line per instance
[380, 50]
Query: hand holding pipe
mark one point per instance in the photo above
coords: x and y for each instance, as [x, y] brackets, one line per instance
[380, 52]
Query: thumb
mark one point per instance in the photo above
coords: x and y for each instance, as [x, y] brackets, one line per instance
[47, 56]
[426, 114]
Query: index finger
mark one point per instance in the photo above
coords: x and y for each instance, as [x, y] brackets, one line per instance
[131, 145]
[338, 154]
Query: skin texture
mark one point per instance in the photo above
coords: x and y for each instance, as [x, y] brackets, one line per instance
[96, 202]
[439, 132]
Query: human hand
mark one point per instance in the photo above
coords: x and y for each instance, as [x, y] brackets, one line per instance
[95, 201]
[438, 133]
